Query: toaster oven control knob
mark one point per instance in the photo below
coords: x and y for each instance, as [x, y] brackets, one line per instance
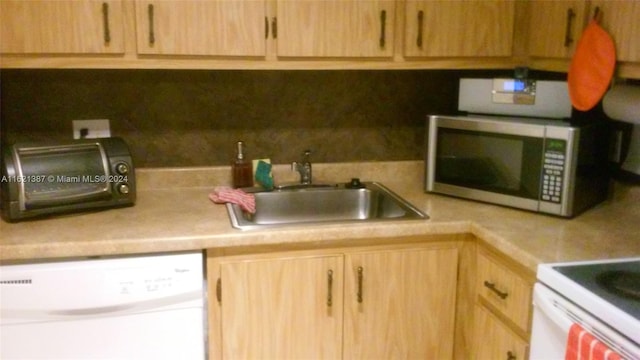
[122, 168]
[123, 188]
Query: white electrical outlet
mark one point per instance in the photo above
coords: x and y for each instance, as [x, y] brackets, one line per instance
[91, 129]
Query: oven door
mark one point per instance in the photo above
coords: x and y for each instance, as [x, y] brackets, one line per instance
[553, 316]
[62, 175]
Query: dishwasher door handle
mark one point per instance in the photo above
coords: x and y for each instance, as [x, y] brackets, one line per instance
[132, 307]
[19, 316]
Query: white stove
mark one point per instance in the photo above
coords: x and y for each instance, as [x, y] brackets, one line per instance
[603, 297]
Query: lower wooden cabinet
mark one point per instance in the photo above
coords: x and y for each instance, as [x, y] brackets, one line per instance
[494, 340]
[400, 304]
[346, 303]
[502, 315]
[282, 308]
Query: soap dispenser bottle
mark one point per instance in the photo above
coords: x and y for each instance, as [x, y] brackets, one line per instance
[241, 169]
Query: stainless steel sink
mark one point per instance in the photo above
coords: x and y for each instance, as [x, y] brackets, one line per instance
[326, 204]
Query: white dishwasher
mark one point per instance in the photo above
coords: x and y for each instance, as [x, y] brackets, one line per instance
[142, 307]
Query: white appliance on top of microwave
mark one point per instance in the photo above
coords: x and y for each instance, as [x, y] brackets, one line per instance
[546, 165]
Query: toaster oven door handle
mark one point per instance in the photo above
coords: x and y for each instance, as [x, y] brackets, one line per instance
[44, 202]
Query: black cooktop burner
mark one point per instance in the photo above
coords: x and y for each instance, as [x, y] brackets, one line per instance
[623, 283]
[616, 282]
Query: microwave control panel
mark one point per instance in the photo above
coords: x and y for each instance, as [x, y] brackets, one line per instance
[553, 170]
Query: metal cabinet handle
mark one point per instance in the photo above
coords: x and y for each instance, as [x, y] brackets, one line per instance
[152, 36]
[360, 278]
[491, 286]
[420, 24]
[568, 38]
[383, 26]
[105, 22]
[597, 14]
[330, 288]
[219, 290]
[274, 28]
[511, 356]
[266, 27]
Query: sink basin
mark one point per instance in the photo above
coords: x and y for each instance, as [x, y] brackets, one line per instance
[326, 204]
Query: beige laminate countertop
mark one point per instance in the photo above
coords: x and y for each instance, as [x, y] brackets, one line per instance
[173, 213]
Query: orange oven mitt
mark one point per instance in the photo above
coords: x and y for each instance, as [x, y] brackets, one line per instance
[591, 67]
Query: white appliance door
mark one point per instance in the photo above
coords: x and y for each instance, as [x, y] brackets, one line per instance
[125, 308]
[553, 317]
[550, 326]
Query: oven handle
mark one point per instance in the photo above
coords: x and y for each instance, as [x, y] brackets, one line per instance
[542, 299]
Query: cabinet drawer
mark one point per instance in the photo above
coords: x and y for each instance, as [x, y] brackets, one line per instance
[505, 290]
[494, 340]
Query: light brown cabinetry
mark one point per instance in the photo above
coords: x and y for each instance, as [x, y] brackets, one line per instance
[555, 27]
[280, 308]
[400, 304]
[201, 27]
[503, 308]
[335, 28]
[497, 341]
[621, 19]
[391, 303]
[458, 28]
[61, 27]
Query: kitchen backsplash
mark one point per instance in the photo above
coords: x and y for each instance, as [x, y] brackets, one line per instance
[194, 117]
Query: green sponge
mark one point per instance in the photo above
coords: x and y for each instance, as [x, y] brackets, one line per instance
[263, 174]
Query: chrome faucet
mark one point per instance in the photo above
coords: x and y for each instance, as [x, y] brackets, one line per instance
[304, 168]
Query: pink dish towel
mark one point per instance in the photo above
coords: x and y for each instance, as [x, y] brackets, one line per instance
[581, 345]
[225, 194]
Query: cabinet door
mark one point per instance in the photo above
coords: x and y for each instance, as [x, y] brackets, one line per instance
[459, 28]
[335, 28]
[504, 290]
[555, 27]
[493, 340]
[287, 308]
[201, 27]
[400, 304]
[61, 27]
[622, 20]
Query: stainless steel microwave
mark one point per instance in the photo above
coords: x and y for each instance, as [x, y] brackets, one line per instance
[547, 166]
[47, 178]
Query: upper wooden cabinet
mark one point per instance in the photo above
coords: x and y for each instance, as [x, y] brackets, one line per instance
[555, 27]
[309, 34]
[61, 27]
[459, 28]
[622, 20]
[201, 27]
[335, 28]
